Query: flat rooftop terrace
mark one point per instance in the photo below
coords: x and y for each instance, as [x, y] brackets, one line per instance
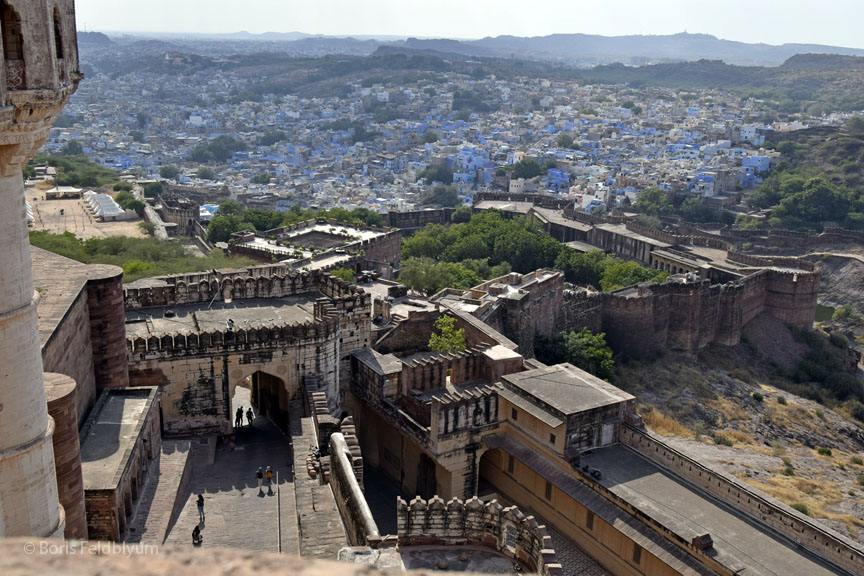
[566, 388]
[109, 440]
[201, 317]
[738, 544]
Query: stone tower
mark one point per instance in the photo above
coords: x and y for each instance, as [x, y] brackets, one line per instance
[40, 66]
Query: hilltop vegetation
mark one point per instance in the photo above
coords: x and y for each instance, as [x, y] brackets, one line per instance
[234, 217]
[139, 257]
[819, 180]
[464, 254]
[78, 171]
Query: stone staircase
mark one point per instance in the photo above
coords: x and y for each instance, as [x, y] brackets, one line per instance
[163, 494]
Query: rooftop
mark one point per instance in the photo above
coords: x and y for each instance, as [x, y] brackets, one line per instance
[737, 542]
[201, 317]
[113, 429]
[566, 388]
[380, 363]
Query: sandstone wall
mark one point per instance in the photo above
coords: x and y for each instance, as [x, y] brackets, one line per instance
[643, 321]
[198, 373]
[60, 390]
[69, 351]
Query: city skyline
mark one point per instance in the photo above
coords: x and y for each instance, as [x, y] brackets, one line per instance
[768, 21]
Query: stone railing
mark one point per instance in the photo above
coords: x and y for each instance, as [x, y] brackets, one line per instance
[801, 529]
[347, 485]
[472, 522]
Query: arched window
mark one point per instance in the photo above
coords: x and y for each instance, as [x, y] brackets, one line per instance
[13, 43]
[58, 35]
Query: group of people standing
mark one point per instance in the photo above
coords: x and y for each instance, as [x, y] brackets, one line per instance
[238, 417]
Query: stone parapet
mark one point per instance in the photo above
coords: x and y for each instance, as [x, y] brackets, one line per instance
[472, 522]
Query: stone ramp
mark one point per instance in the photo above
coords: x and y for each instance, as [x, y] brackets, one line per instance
[321, 530]
[163, 494]
[237, 514]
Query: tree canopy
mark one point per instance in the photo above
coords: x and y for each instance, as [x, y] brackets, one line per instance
[169, 172]
[442, 195]
[583, 349]
[653, 202]
[448, 339]
[220, 149]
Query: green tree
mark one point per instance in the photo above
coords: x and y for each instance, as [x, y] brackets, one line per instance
[583, 349]
[169, 172]
[436, 174]
[263, 178]
[220, 228]
[272, 137]
[205, 173]
[142, 120]
[230, 208]
[653, 202]
[152, 189]
[29, 172]
[261, 220]
[430, 137]
[448, 339]
[137, 135]
[564, 140]
[582, 269]
[220, 149]
[622, 274]
[442, 195]
[72, 148]
[526, 168]
[345, 274]
[461, 215]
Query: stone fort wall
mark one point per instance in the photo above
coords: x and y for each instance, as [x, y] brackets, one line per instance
[645, 320]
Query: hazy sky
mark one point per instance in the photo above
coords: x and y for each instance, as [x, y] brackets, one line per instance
[835, 22]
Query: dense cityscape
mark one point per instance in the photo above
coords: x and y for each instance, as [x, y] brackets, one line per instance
[566, 305]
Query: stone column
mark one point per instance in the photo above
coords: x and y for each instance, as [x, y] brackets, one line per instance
[29, 504]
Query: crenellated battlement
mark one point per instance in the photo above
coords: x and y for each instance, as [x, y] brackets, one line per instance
[272, 281]
[472, 522]
[221, 341]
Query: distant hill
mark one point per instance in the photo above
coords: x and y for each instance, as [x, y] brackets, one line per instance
[588, 49]
[93, 38]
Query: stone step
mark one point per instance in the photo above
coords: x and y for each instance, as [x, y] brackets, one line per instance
[163, 494]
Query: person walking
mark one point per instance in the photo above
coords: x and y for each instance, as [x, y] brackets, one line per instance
[269, 475]
[238, 418]
[196, 536]
[260, 476]
[200, 507]
[249, 415]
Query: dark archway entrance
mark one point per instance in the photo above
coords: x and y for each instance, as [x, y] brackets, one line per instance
[270, 399]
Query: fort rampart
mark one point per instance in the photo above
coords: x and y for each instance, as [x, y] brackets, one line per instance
[643, 320]
[800, 528]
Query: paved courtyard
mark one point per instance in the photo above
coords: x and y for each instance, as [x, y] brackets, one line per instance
[71, 215]
[237, 515]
